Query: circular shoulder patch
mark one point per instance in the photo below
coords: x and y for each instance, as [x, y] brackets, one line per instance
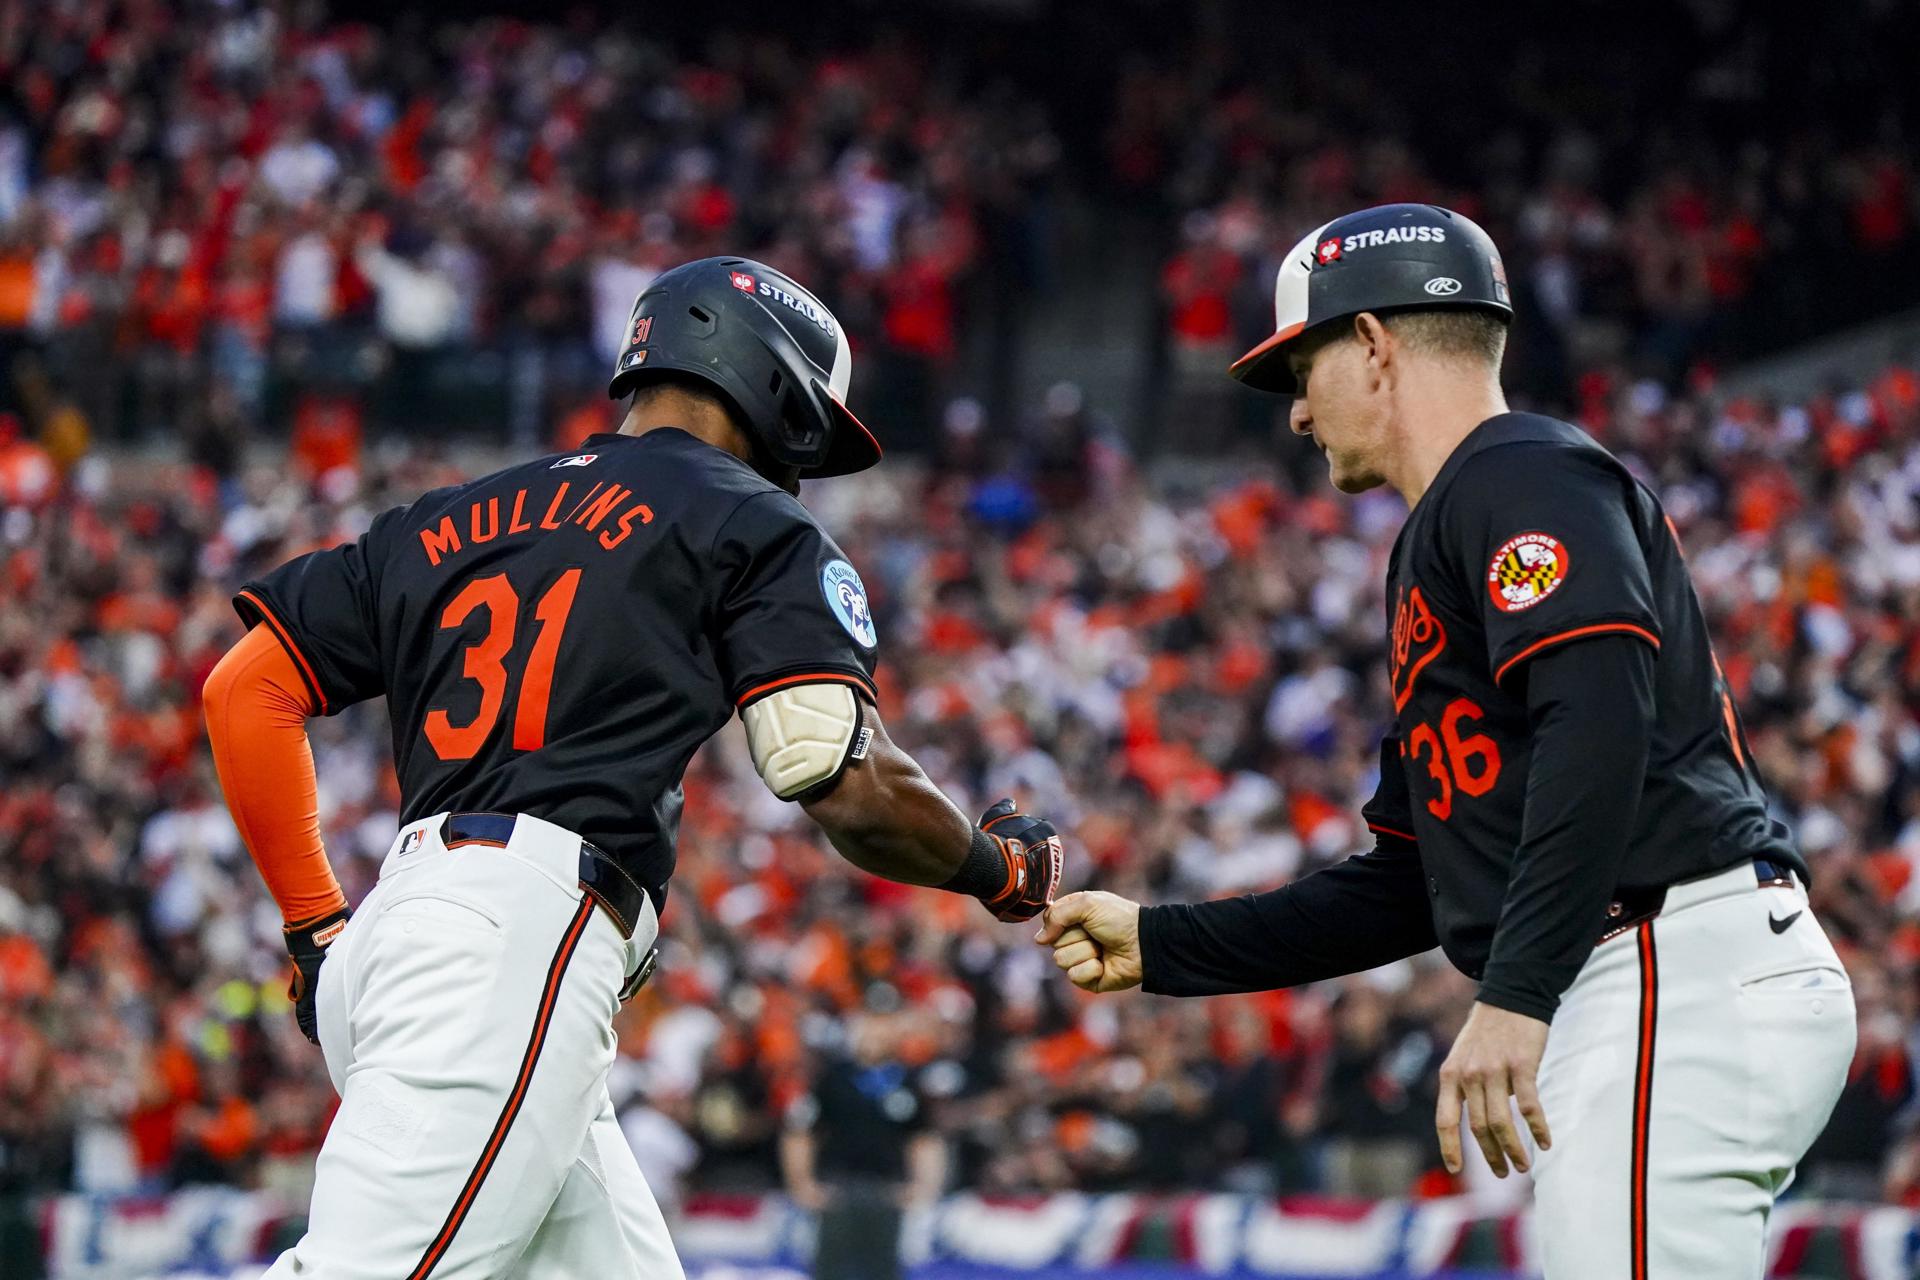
[1526, 570]
[847, 597]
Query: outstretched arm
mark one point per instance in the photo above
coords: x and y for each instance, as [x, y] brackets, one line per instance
[886, 817]
[1356, 915]
[1353, 916]
[797, 645]
[1359, 914]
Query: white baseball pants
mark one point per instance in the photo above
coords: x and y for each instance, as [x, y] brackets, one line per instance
[1690, 1066]
[466, 1017]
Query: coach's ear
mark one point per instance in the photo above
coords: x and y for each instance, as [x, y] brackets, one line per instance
[1379, 347]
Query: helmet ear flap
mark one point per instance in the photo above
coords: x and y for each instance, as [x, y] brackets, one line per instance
[802, 434]
[850, 446]
[793, 430]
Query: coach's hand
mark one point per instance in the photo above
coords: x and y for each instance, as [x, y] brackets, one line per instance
[307, 943]
[1096, 939]
[1496, 1057]
[1033, 855]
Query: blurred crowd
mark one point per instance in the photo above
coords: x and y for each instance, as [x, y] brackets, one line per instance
[456, 218]
[222, 212]
[267, 236]
[1738, 183]
[1187, 675]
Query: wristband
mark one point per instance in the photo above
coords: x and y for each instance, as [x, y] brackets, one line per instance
[983, 873]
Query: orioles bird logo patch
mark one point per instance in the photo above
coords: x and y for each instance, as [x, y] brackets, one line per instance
[1526, 570]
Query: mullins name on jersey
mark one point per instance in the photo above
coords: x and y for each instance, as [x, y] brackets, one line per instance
[605, 510]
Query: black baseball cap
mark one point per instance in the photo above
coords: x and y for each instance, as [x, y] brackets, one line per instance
[1393, 257]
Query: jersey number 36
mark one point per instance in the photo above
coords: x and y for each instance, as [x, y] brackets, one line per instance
[1472, 763]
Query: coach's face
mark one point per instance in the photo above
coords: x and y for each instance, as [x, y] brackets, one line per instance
[1342, 405]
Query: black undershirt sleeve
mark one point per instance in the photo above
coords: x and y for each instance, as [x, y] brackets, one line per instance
[1355, 915]
[1590, 704]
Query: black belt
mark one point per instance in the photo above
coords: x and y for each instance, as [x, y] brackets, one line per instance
[616, 892]
[1631, 907]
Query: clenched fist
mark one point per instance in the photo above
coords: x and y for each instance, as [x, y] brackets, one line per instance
[1033, 856]
[1096, 939]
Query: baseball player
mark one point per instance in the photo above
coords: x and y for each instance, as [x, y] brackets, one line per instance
[1566, 804]
[554, 642]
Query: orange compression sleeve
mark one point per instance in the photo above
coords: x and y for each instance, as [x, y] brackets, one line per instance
[257, 708]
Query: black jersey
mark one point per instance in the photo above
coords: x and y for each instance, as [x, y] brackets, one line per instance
[1532, 536]
[1561, 731]
[558, 638]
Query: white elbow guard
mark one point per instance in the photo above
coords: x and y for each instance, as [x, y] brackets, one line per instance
[802, 737]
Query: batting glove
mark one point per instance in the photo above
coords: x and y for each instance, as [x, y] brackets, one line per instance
[307, 944]
[1033, 854]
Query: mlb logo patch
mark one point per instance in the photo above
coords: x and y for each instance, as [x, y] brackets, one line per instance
[577, 460]
[412, 843]
[744, 282]
[634, 360]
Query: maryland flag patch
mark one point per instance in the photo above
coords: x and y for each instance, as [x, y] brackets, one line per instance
[1526, 570]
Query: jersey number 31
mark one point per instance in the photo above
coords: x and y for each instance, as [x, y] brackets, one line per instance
[485, 664]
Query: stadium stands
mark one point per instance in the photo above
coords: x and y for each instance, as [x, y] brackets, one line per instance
[1192, 679]
[246, 224]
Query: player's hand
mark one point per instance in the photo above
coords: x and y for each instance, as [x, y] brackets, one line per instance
[1096, 939]
[1496, 1058]
[307, 943]
[1033, 852]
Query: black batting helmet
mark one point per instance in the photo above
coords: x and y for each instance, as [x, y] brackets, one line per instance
[764, 343]
[1394, 257]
